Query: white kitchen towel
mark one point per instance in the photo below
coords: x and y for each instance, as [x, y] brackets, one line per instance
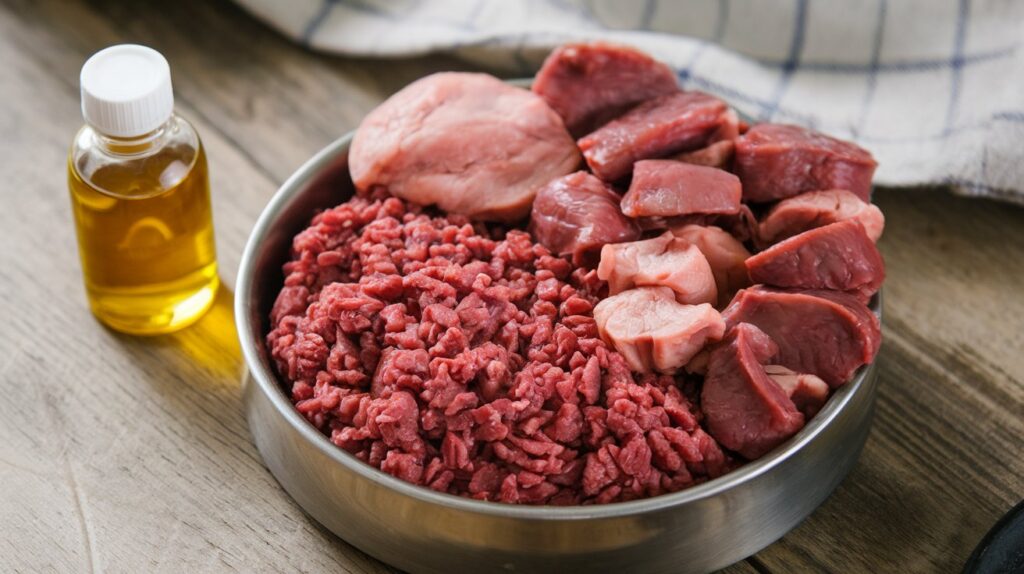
[934, 88]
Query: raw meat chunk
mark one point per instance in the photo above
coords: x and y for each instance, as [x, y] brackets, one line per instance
[825, 333]
[777, 161]
[578, 214]
[674, 123]
[807, 392]
[468, 143]
[746, 411]
[742, 225]
[718, 154]
[729, 129]
[725, 254]
[721, 145]
[591, 83]
[838, 256]
[662, 260]
[666, 188]
[653, 331]
[815, 209]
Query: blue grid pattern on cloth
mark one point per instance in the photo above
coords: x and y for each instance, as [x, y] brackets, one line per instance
[934, 88]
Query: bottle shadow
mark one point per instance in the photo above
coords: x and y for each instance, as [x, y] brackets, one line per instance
[212, 341]
[196, 376]
[205, 355]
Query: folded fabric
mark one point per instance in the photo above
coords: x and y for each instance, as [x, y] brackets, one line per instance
[934, 88]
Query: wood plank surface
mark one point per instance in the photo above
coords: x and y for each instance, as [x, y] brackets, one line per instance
[121, 454]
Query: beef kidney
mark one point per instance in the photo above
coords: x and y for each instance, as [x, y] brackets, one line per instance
[653, 331]
[726, 255]
[663, 260]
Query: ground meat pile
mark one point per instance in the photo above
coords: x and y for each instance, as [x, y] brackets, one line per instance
[466, 359]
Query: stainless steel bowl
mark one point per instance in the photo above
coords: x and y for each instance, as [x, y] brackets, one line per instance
[697, 530]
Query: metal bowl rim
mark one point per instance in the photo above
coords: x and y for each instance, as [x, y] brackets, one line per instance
[269, 386]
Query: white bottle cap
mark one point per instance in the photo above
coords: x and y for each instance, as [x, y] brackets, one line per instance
[126, 90]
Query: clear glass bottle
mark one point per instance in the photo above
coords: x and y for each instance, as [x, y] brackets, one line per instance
[141, 199]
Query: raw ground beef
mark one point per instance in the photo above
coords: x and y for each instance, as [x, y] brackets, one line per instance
[467, 359]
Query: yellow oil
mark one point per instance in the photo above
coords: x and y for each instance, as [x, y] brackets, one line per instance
[145, 236]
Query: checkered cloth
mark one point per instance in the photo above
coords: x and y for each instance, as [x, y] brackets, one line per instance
[934, 88]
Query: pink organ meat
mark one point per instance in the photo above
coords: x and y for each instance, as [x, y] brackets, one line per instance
[659, 261]
[807, 392]
[468, 143]
[742, 225]
[653, 331]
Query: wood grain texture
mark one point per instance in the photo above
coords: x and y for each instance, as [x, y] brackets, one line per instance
[120, 454]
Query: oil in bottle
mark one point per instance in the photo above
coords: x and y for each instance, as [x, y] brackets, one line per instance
[140, 195]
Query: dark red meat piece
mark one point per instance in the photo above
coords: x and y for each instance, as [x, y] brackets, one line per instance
[578, 214]
[817, 208]
[825, 333]
[838, 256]
[592, 83]
[746, 411]
[777, 161]
[683, 121]
[666, 188]
[659, 261]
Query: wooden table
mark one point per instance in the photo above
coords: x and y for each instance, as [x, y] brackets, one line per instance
[124, 454]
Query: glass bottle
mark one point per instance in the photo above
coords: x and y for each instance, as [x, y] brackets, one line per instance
[140, 195]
